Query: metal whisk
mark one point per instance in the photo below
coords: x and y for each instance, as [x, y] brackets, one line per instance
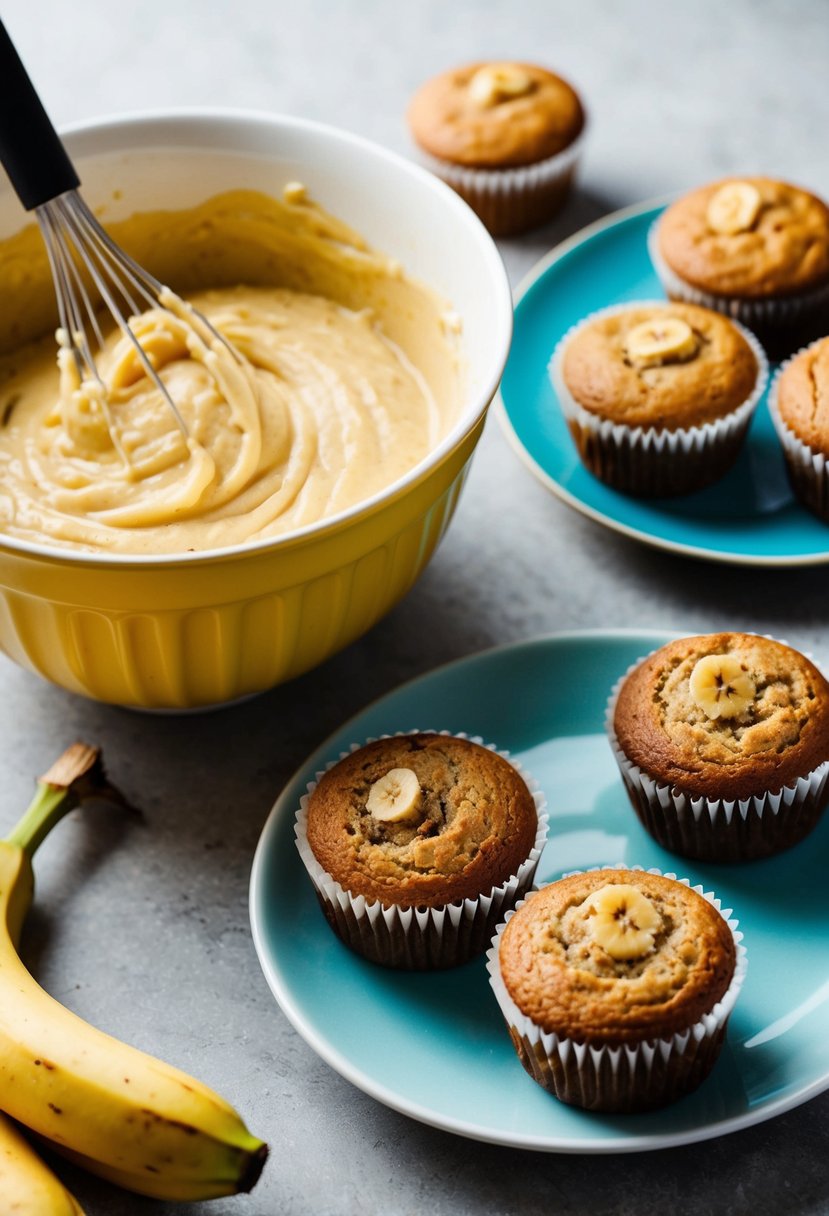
[46, 183]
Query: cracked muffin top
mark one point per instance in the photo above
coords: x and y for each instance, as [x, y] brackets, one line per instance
[667, 366]
[752, 237]
[725, 715]
[422, 819]
[495, 115]
[616, 956]
[803, 396]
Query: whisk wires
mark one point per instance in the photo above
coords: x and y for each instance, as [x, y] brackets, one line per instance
[72, 234]
[74, 239]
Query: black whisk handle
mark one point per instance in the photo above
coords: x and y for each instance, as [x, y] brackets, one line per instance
[31, 151]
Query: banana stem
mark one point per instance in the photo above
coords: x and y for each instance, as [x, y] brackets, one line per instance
[48, 806]
[75, 776]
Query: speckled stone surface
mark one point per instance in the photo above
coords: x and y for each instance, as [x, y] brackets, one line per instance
[143, 927]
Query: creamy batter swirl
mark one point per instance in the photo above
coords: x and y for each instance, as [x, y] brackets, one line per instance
[307, 409]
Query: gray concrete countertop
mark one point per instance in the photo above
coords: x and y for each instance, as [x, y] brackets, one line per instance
[143, 928]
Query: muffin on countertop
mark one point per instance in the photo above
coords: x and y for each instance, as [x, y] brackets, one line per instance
[711, 720]
[423, 821]
[799, 407]
[754, 248]
[495, 115]
[504, 135]
[616, 958]
[675, 369]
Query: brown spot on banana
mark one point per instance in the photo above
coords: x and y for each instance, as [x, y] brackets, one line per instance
[153, 1115]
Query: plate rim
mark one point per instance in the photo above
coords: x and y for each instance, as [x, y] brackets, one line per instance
[499, 408]
[423, 1114]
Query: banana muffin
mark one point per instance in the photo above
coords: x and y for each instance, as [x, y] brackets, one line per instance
[418, 843]
[658, 397]
[723, 745]
[799, 408]
[754, 248]
[505, 136]
[617, 958]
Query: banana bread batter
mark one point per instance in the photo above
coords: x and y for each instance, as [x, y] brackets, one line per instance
[347, 379]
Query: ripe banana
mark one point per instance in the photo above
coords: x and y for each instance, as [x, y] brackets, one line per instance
[118, 1112]
[27, 1186]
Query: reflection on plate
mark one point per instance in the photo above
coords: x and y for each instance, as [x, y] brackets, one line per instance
[434, 1046]
[749, 516]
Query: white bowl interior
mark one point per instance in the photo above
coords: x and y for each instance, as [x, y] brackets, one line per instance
[149, 162]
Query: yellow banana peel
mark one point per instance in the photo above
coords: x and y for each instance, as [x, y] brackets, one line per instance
[113, 1109]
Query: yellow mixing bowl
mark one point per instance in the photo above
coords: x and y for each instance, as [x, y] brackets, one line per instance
[196, 629]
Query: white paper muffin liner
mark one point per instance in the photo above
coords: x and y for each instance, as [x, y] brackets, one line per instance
[774, 319]
[643, 460]
[808, 469]
[514, 199]
[419, 938]
[719, 829]
[629, 1078]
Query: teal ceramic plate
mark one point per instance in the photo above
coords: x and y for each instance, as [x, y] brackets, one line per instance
[748, 517]
[435, 1046]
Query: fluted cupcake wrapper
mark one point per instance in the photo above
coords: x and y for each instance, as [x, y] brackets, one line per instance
[636, 1076]
[808, 470]
[781, 323]
[719, 829]
[514, 199]
[419, 938]
[642, 460]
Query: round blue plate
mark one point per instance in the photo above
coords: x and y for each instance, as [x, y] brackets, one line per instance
[749, 516]
[434, 1045]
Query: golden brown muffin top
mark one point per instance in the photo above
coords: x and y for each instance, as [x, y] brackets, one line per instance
[495, 115]
[474, 822]
[559, 957]
[803, 396]
[772, 715]
[780, 247]
[707, 369]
